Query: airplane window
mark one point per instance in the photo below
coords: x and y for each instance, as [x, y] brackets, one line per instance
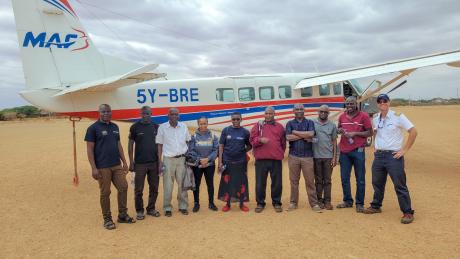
[266, 93]
[337, 87]
[246, 94]
[306, 92]
[285, 91]
[225, 95]
[324, 90]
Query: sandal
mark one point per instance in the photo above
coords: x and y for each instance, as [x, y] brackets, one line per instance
[125, 219]
[108, 224]
[153, 213]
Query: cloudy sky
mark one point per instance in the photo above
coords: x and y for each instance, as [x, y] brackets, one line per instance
[229, 37]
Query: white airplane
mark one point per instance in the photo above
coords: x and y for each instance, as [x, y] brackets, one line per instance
[66, 74]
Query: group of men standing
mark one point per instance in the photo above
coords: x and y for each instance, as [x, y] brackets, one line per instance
[313, 152]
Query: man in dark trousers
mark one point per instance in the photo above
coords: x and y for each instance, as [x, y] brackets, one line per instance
[389, 127]
[142, 135]
[104, 154]
[355, 126]
[325, 155]
[268, 140]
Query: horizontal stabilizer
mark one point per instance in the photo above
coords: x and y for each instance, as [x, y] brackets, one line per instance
[135, 76]
[452, 58]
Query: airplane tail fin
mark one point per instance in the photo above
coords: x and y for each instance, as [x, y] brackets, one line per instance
[56, 50]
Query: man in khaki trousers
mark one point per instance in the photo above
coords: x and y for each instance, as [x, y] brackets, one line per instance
[104, 154]
[172, 140]
[300, 132]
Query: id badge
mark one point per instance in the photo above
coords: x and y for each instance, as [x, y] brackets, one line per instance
[360, 149]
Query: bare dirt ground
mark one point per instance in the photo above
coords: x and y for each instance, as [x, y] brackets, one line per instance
[46, 216]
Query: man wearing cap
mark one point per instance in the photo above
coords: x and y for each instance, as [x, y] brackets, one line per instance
[389, 128]
[355, 126]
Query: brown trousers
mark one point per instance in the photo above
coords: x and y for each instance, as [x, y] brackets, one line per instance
[118, 177]
[304, 164]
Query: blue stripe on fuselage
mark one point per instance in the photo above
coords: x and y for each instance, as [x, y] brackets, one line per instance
[223, 113]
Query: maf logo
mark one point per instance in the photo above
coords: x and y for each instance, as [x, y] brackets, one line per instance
[42, 40]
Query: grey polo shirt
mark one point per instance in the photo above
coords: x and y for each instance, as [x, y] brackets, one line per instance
[325, 133]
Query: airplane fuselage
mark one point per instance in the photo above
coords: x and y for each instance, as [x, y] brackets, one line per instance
[214, 98]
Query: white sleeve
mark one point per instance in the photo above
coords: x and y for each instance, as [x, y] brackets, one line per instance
[160, 135]
[404, 122]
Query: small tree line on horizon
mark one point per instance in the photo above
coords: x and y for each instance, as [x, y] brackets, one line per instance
[21, 112]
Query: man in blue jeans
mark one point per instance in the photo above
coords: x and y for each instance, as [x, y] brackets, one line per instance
[355, 126]
[389, 157]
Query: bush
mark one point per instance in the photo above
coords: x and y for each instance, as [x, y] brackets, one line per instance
[26, 111]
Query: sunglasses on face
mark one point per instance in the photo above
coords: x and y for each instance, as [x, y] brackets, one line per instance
[236, 119]
[382, 101]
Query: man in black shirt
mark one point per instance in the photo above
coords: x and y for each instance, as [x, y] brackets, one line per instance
[145, 162]
[104, 154]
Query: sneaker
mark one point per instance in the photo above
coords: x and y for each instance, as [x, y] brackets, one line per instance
[226, 208]
[317, 209]
[244, 208]
[168, 213]
[292, 206]
[328, 206]
[183, 211]
[407, 218]
[140, 215]
[278, 208]
[196, 207]
[359, 208]
[259, 208]
[372, 210]
[108, 224]
[344, 205]
[213, 207]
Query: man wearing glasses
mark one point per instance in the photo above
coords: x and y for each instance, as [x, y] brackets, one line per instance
[325, 156]
[389, 128]
[355, 126]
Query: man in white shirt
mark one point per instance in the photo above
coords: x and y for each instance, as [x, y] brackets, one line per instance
[389, 128]
[172, 141]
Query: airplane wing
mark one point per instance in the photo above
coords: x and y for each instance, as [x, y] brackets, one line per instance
[405, 66]
[135, 76]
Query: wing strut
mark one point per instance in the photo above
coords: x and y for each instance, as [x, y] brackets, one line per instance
[369, 94]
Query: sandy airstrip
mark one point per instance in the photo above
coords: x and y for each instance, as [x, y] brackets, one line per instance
[46, 216]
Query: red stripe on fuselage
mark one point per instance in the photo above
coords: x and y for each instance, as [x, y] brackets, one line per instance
[134, 113]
